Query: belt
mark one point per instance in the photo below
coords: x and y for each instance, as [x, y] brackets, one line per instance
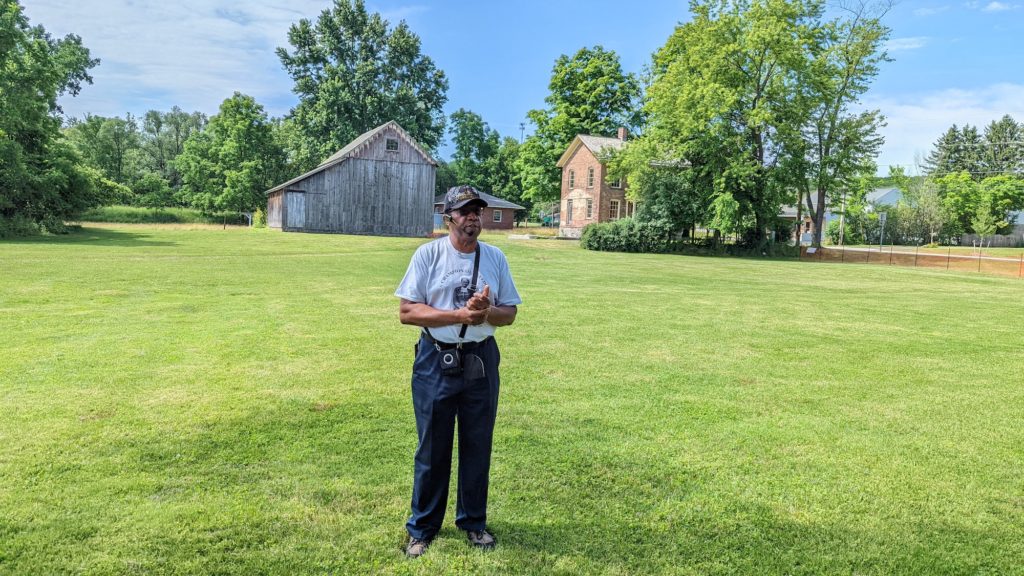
[449, 345]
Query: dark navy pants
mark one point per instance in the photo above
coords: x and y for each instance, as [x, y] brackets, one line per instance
[439, 401]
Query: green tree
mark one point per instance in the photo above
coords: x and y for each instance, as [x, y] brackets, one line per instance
[42, 180]
[841, 144]
[1005, 195]
[232, 162]
[353, 73]
[1004, 147]
[589, 94]
[984, 222]
[960, 196]
[476, 146]
[162, 139]
[726, 96]
[110, 144]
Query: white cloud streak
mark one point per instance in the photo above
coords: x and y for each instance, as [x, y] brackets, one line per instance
[899, 44]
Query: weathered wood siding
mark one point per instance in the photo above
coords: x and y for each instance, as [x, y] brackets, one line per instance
[295, 216]
[376, 149]
[274, 210]
[368, 197]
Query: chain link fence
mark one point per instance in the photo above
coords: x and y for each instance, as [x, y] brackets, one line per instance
[918, 258]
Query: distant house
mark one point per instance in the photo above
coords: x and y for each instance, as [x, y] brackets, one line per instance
[499, 214]
[586, 197]
[877, 198]
[381, 183]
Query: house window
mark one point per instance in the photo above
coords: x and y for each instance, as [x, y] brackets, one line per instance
[590, 208]
[629, 209]
[617, 183]
[391, 145]
[613, 210]
[568, 211]
[497, 215]
[572, 178]
[590, 177]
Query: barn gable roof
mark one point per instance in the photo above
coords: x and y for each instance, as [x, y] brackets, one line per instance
[599, 145]
[355, 146]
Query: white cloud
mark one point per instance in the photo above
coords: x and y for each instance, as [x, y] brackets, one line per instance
[189, 53]
[913, 43]
[915, 121]
[930, 11]
[996, 7]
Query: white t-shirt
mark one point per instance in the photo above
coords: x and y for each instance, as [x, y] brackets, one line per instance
[439, 276]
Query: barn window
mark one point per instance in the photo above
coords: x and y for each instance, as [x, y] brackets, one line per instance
[497, 215]
[572, 178]
[590, 208]
[391, 145]
[613, 210]
[590, 177]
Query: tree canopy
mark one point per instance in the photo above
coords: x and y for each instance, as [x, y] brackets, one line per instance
[589, 94]
[352, 73]
[756, 98]
[42, 182]
[234, 161]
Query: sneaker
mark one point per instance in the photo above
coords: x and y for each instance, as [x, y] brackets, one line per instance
[416, 547]
[481, 539]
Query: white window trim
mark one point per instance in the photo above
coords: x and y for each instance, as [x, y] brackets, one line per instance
[572, 179]
[613, 215]
[590, 208]
[568, 211]
[590, 177]
[497, 216]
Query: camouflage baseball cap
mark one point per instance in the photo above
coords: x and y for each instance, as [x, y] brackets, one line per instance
[459, 196]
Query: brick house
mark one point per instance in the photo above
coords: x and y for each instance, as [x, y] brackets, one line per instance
[586, 197]
[499, 215]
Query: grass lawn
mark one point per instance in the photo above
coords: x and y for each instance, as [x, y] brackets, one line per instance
[237, 402]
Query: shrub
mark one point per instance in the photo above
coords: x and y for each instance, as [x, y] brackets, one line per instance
[259, 218]
[139, 215]
[629, 235]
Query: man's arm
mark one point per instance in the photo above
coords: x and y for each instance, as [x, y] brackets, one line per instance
[501, 315]
[419, 314]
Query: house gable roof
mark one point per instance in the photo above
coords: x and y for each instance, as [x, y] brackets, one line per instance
[355, 146]
[600, 146]
[492, 201]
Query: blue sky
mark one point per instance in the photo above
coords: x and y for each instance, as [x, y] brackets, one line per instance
[954, 62]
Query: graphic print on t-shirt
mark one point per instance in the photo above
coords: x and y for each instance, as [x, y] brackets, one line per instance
[462, 292]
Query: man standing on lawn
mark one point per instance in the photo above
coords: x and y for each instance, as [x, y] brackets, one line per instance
[455, 374]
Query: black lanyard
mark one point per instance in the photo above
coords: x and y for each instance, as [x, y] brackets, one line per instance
[472, 287]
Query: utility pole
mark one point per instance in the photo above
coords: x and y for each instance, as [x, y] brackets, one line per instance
[522, 128]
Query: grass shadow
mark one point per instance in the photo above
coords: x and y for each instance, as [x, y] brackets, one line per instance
[93, 237]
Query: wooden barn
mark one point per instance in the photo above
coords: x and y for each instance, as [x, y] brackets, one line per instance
[381, 183]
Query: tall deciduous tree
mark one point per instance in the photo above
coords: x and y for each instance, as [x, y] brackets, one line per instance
[476, 145]
[42, 182]
[230, 164]
[842, 144]
[353, 72]
[726, 98]
[589, 94]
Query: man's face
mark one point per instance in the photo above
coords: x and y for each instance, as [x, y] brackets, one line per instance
[467, 219]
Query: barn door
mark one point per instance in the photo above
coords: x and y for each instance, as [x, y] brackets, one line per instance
[295, 212]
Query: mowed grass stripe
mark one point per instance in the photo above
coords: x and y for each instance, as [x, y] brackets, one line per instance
[236, 401]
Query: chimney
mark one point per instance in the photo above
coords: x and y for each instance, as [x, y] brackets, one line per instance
[622, 133]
